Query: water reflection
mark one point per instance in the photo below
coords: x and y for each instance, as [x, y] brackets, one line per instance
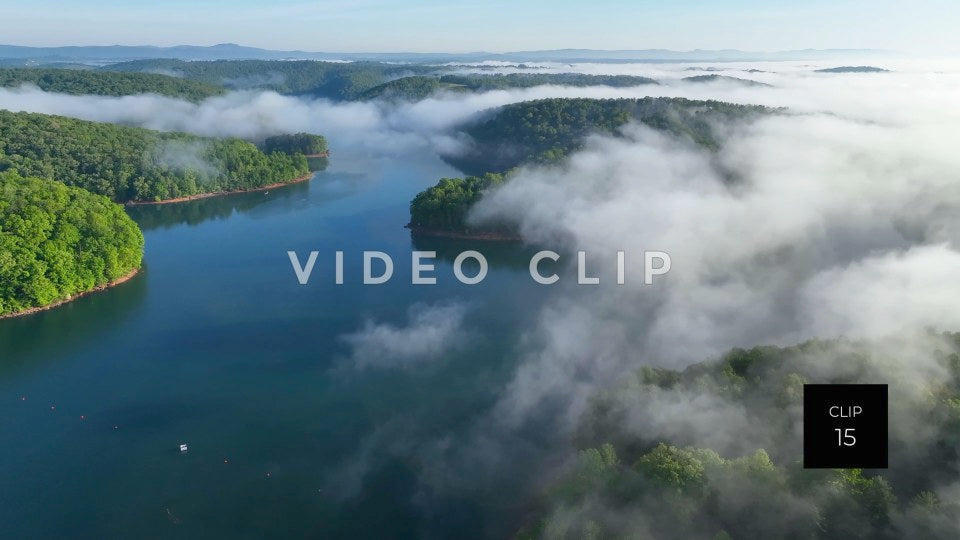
[54, 333]
[322, 189]
[513, 255]
[195, 212]
[225, 351]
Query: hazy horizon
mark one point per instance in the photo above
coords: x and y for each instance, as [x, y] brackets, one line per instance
[448, 51]
[429, 26]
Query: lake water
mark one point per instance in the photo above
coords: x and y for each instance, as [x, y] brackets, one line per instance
[215, 345]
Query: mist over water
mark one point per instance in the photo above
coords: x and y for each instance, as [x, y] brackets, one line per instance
[843, 221]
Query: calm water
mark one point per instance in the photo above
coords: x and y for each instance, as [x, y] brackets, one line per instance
[216, 345]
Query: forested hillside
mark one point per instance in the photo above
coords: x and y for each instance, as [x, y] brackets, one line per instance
[296, 143]
[134, 164]
[357, 80]
[334, 80]
[547, 130]
[636, 471]
[408, 88]
[106, 83]
[314, 147]
[57, 241]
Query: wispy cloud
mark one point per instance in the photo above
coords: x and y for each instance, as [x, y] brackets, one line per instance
[430, 332]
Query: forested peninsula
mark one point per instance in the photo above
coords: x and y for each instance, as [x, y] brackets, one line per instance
[58, 242]
[332, 80]
[61, 232]
[130, 164]
[546, 131]
[441, 210]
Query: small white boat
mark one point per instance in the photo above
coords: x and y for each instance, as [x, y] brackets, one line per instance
[183, 448]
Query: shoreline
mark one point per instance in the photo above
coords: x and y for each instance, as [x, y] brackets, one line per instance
[58, 303]
[198, 196]
[456, 235]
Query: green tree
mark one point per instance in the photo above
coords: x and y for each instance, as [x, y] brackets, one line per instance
[57, 241]
[107, 83]
[134, 164]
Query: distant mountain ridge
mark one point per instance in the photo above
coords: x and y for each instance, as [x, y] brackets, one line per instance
[232, 51]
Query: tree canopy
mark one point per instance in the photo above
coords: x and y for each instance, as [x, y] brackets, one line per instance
[357, 80]
[407, 88]
[333, 80]
[626, 477]
[107, 83]
[307, 144]
[135, 164]
[445, 205]
[546, 131]
[57, 241]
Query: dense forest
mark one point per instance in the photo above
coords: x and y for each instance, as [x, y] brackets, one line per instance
[408, 88]
[546, 130]
[134, 164]
[106, 83]
[333, 80]
[314, 147]
[636, 472]
[357, 80]
[307, 144]
[57, 241]
[445, 205]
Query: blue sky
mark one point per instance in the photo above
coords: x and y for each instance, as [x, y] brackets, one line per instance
[431, 25]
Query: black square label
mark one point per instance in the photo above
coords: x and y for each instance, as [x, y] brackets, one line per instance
[845, 426]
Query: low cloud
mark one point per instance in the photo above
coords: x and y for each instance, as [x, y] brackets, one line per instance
[429, 332]
[399, 128]
[183, 156]
[835, 227]
[886, 294]
[843, 221]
